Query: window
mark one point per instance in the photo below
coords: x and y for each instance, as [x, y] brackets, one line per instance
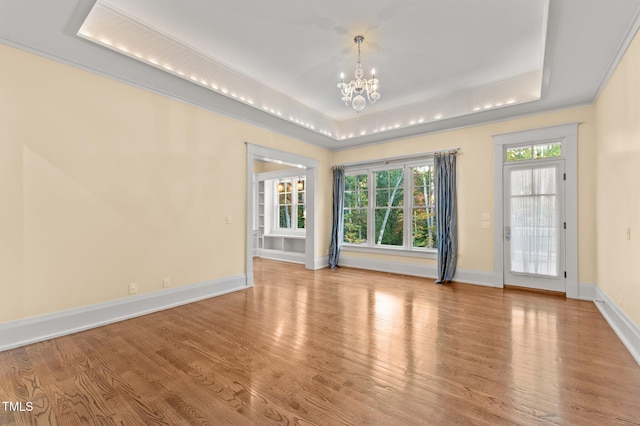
[389, 206]
[423, 208]
[356, 203]
[291, 203]
[379, 213]
[533, 152]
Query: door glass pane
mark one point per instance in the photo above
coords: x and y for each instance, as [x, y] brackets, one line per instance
[534, 221]
[518, 153]
[547, 150]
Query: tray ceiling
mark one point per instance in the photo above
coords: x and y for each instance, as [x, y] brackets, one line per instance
[441, 65]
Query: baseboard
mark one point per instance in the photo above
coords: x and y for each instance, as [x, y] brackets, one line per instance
[587, 291]
[466, 276]
[282, 256]
[321, 263]
[36, 329]
[470, 276]
[627, 331]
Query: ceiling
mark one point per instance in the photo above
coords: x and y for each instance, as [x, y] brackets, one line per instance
[441, 64]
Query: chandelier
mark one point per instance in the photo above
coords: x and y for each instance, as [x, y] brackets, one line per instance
[353, 91]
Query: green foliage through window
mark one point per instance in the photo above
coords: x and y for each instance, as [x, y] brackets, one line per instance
[423, 208]
[533, 152]
[384, 214]
[389, 217]
[291, 196]
[356, 198]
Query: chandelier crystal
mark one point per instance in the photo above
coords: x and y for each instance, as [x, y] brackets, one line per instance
[354, 92]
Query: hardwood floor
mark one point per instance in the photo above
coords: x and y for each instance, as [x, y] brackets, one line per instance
[332, 347]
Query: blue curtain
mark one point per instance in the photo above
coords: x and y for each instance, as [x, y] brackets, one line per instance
[337, 230]
[446, 215]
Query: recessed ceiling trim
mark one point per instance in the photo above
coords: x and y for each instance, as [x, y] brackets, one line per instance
[114, 29]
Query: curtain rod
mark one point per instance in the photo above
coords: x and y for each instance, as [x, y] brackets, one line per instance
[399, 158]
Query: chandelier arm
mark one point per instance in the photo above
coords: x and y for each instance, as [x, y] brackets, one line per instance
[352, 92]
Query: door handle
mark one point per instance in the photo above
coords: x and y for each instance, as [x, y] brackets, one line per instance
[507, 233]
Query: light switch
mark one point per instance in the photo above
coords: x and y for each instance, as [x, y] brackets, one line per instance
[486, 216]
[486, 224]
[229, 219]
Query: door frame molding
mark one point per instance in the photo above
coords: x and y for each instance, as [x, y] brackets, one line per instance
[568, 135]
[259, 152]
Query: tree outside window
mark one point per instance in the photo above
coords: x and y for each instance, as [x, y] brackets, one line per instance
[291, 204]
[389, 205]
[356, 202]
[423, 212]
[376, 207]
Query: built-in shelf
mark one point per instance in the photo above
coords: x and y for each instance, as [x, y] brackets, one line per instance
[287, 243]
[290, 248]
[259, 243]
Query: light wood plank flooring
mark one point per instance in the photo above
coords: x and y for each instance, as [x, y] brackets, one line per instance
[333, 347]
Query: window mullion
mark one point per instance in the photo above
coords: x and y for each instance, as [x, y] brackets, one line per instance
[275, 220]
[294, 203]
[407, 202]
[371, 221]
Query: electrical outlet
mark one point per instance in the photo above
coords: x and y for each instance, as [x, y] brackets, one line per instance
[133, 288]
[166, 282]
[229, 219]
[486, 224]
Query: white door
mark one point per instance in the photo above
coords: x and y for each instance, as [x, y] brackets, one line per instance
[534, 227]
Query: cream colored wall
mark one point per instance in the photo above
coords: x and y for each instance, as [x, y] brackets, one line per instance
[103, 184]
[267, 166]
[618, 186]
[475, 183]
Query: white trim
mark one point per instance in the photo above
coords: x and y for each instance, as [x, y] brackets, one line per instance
[470, 276]
[321, 263]
[36, 329]
[568, 133]
[264, 153]
[281, 174]
[400, 251]
[258, 152]
[384, 163]
[466, 276]
[622, 49]
[587, 291]
[284, 256]
[298, 234]
[622, 325]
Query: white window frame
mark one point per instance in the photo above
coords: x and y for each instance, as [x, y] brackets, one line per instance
[406, 249]
[294, 230]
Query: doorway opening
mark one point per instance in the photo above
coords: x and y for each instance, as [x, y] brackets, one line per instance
[536, 209]
[294, 241]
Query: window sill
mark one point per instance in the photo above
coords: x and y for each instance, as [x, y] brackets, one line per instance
[425, 253]
[283, 235]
